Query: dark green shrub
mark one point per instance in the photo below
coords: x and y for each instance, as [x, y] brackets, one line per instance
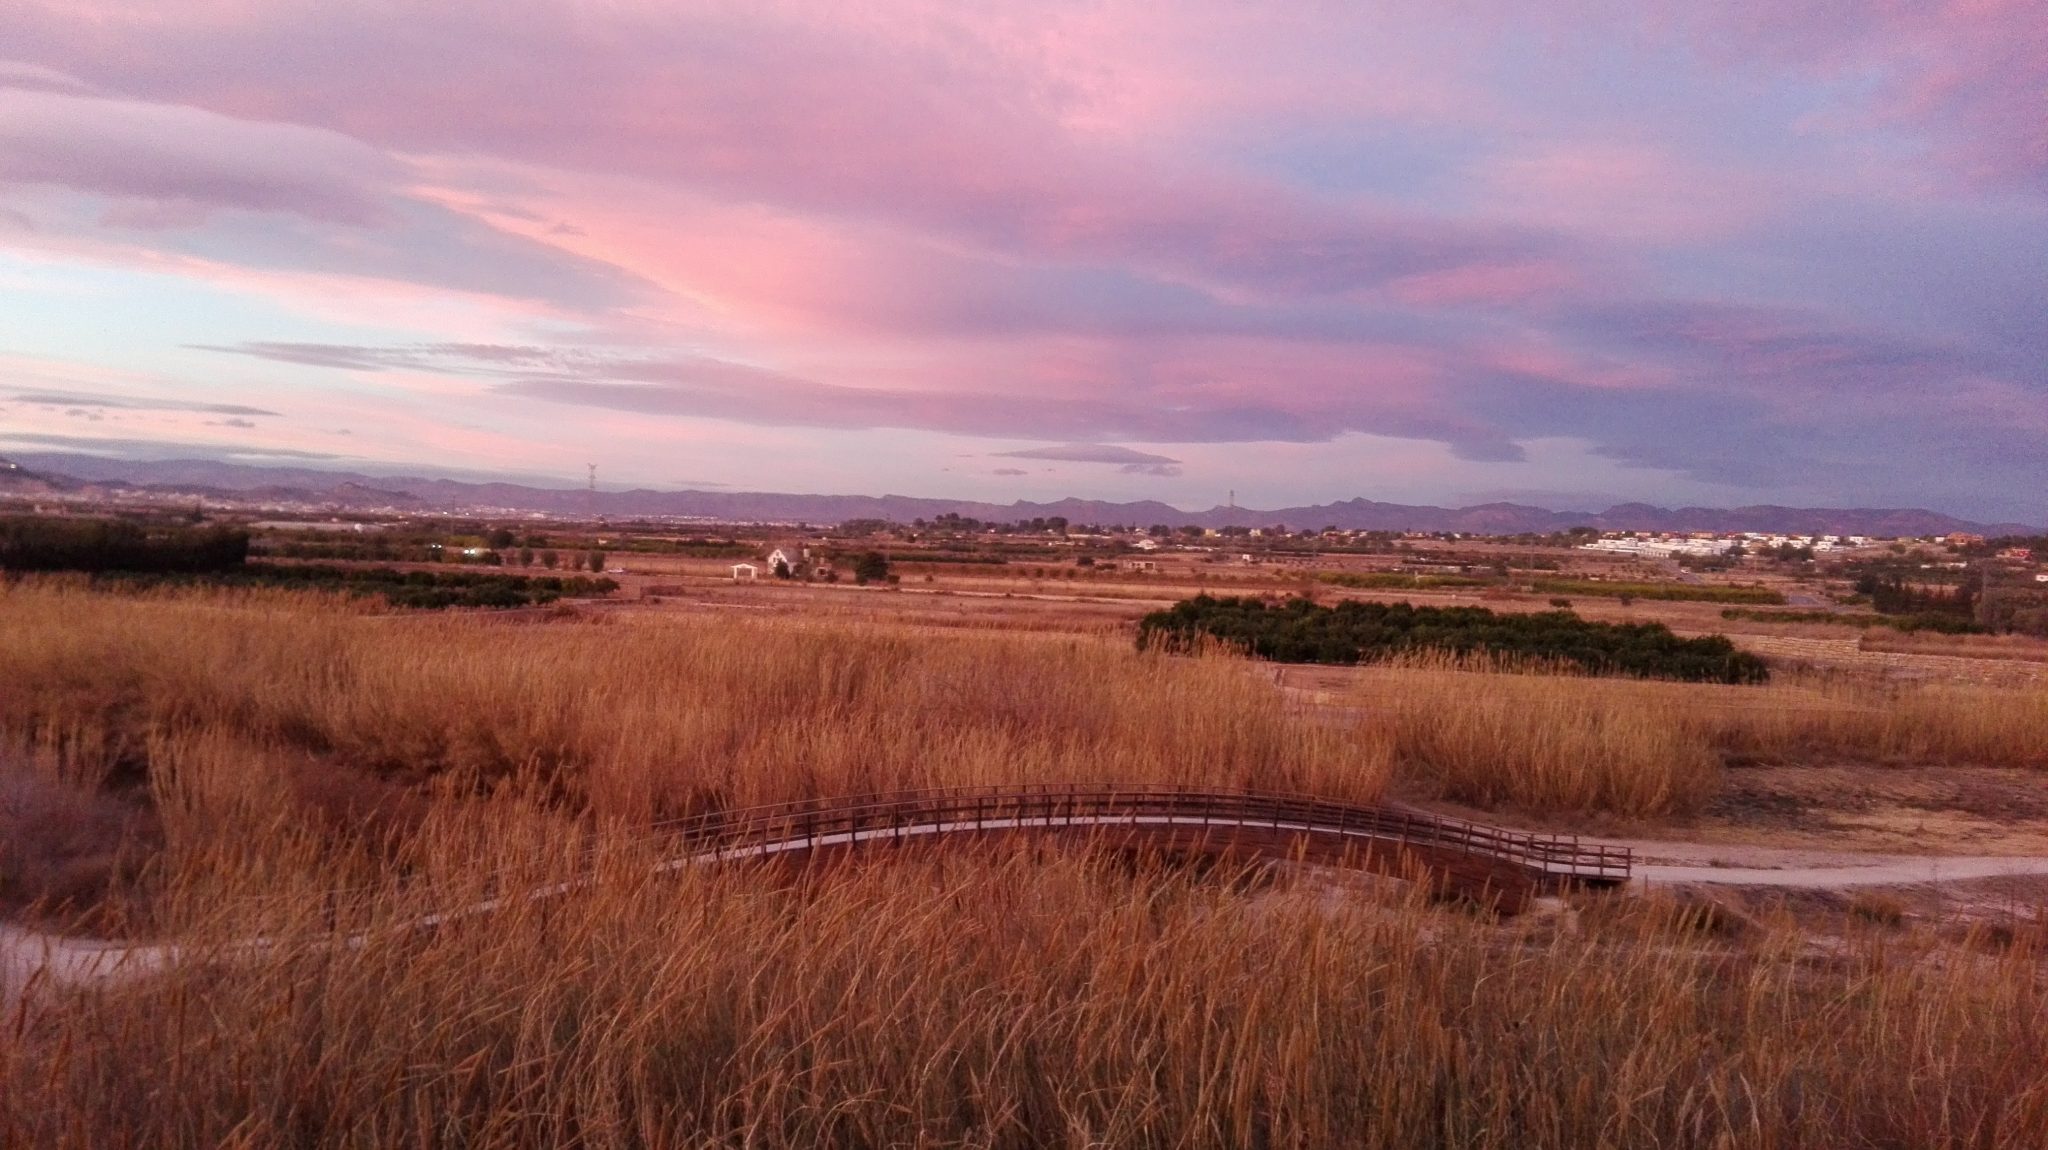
[1299, 631]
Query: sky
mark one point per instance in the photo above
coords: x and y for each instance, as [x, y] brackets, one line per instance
[1566, 252]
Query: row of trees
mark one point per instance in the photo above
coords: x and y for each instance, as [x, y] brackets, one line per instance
[425, 590]
[1893, 595]
[593, 561]
[1299, 631]
[41, 543]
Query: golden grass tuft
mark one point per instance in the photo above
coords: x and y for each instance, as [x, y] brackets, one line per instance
[1012, 1001]
[238, 711]
[1491, 735]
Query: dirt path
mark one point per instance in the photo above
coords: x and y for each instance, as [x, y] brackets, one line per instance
[29, 960]
[1665, 863]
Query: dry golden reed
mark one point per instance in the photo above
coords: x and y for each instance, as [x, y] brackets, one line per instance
[1000, 997]
[248, 712]
[1002, 1000]
[1496, 736]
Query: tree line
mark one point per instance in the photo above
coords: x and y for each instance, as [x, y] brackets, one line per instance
[42, 543]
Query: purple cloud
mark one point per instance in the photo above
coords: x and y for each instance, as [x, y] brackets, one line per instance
[161, 154]
[1129, 461]
[132, 403]
[1758, 244]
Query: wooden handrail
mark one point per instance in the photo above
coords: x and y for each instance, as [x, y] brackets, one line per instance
[1047, 805]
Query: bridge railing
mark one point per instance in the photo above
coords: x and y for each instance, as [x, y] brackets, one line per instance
[817, 822]
[744, 831]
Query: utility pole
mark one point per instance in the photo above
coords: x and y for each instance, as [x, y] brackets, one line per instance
[590, 496]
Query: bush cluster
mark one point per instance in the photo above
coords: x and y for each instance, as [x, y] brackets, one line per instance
[1299, 631]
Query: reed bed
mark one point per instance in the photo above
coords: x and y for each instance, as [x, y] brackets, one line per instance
[325, 778]
[245, 713]
[1539, 739]
[1003, 1000]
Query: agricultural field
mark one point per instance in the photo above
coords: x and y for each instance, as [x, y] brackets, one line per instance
[188, 766]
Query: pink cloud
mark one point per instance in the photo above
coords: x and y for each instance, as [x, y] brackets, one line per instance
[1972, 73]
[1631, 191]
[932, 123]
[1472, 223]
[1512, 283]
[184, 156]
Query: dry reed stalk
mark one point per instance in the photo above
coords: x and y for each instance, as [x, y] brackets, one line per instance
[241, 710]
[1496, 735]
[990, 998]
[1013, 1001]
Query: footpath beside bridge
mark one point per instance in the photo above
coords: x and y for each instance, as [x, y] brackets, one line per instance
[1453, 857]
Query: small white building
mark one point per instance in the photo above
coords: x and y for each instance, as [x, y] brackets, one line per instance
[745, 572]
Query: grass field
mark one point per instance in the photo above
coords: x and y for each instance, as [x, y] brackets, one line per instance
[1009, 1001]
[1572, 743]
[236, 713]
[235, 758]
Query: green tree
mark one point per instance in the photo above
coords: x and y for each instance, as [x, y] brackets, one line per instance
[594, 561]
[870, 566]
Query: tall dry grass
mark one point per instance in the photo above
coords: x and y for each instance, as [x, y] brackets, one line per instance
[996, 998]
[1493, 735]
[245, 713]
[1007, 1001]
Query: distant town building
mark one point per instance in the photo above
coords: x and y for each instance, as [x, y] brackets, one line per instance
[1661, 546]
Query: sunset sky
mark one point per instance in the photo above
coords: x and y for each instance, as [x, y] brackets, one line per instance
[1568, 252]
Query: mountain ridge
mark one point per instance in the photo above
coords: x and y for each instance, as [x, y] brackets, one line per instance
[358, 491]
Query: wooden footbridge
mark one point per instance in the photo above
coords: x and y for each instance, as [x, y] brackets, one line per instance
[1494, 867]
[1453, 857]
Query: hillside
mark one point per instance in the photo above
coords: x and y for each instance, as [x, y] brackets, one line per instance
[351, 490]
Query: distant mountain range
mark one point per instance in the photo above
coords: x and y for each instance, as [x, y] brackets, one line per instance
[206, 479]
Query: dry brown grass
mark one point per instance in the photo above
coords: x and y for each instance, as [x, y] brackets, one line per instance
[243, 713]
[1648, 749]
[66, 851]
[2022, 647]
[1009, 1001]
[998, 998]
